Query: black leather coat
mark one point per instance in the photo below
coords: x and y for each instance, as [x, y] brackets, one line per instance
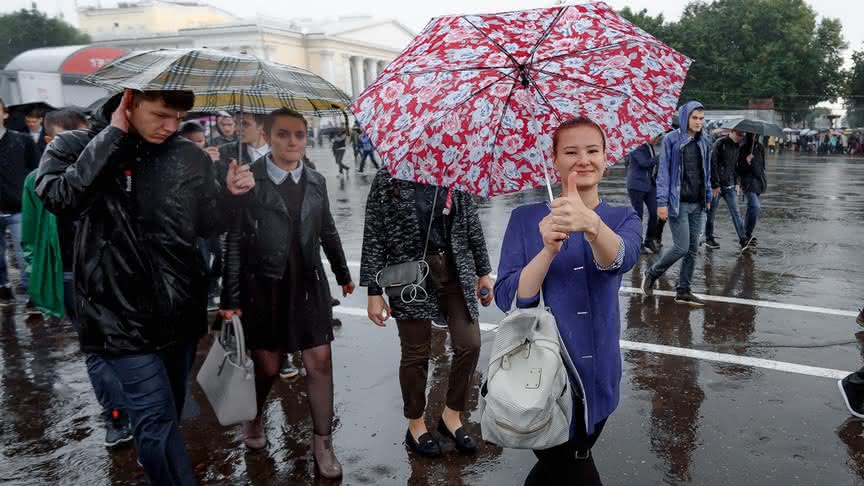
[257, 241]
[140, 207]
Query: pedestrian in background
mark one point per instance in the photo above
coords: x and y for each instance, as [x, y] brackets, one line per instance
[18, 157]
[683, 195]
[33, 120]
[724, 186]
[227, 128]
[251, 138]
[367, 150]
[48, 244]
[274, 275]
[576, 260]
[642, 188]
[412, 222]
[754, 183]
[339, 142]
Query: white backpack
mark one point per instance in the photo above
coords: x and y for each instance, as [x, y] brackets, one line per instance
[526, 401]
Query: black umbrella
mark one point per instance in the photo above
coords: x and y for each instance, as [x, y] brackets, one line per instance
[17, 113]
[758, 127]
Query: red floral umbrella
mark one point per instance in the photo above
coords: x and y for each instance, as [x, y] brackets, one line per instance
[471, 104]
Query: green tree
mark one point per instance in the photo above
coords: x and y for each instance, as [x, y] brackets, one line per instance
[748, 49]
[29, 29]
[655, 26]
[855, 91]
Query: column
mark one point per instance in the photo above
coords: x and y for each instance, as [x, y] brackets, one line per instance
[347, 83]
[382, 65]
[327, 65]
[369, 71]
[356, 75]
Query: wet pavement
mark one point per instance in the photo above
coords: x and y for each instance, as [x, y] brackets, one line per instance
[682, 420]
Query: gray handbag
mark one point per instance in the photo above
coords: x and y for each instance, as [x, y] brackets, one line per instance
[228, 376]
[406, 281]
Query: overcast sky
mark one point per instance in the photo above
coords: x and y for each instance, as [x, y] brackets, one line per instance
[416, 14]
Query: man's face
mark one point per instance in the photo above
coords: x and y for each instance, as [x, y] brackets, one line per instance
[251, 130]
[735, 135]
[287, 139]
[227, 126]
[197, 138]
[33, 123]
[153, 121]
[697, 120]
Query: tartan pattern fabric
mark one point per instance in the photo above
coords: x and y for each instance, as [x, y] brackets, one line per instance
[223, 81]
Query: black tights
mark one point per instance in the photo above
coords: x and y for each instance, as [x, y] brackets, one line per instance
[319, 382]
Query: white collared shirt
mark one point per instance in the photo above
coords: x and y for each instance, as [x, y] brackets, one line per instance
[278, 174]
[257, 153]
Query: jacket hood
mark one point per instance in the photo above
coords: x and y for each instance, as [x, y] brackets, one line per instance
[684, 116]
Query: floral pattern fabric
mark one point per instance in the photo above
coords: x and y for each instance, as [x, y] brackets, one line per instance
[472, 102]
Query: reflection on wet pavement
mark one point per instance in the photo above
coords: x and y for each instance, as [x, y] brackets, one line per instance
[680, 420]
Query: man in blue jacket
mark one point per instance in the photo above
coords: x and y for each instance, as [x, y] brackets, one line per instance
[683, 196]
[642, 189]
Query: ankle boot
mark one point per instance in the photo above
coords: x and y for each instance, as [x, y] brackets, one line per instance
[325, 459]
[253, 433]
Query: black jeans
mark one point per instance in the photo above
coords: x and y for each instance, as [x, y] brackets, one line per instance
[570, 463]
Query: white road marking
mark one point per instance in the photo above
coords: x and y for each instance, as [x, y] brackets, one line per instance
[684, 352]
[728, 300]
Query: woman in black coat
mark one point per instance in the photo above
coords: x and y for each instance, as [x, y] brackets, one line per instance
[400, 217]
[274, 274]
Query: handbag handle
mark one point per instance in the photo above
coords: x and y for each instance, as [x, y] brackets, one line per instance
[239, 337]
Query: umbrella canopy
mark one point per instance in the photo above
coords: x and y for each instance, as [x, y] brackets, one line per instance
[472, 102]
[222, 81]
[758, 127]
[17, 113]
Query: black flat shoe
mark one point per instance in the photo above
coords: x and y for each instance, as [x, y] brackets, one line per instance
[464, 443]
[427, 446]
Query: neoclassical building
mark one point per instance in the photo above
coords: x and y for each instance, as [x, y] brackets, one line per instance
[350, 52]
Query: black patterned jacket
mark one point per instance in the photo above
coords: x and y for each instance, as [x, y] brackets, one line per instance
[392, 235]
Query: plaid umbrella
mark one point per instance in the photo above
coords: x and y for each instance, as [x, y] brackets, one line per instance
[471, 104]
[223, 81]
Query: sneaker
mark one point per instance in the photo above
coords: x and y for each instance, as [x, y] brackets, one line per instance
[654, 246]
[854, 401]
[745, 246]
[860, 319]
[440, 323]
[712, 243]
[7, 298]
[646, 250]
[118, 430]
[648, 283]
[754, 241]
[288, 371]
[689, 299]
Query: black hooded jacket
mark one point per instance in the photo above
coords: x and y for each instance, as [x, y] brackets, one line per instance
[140, 207]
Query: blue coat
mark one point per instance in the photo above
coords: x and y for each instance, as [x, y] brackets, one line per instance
[670, 172]
[583, 299]
[639, 171]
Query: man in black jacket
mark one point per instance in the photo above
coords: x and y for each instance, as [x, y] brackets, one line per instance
[724, 159]
[18, 158]
[142, 195]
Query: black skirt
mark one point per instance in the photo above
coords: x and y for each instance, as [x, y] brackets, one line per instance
[287, 315]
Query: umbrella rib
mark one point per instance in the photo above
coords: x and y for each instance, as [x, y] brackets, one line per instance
[546, 34]
[476, 68]
[583, 51]
[606, 88]
[493, 41]
[545, 100]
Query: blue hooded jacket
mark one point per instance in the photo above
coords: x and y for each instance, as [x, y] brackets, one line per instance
[670, 171]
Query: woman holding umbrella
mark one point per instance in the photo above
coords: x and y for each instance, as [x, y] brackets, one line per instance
[273, 273]
[574, 251]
